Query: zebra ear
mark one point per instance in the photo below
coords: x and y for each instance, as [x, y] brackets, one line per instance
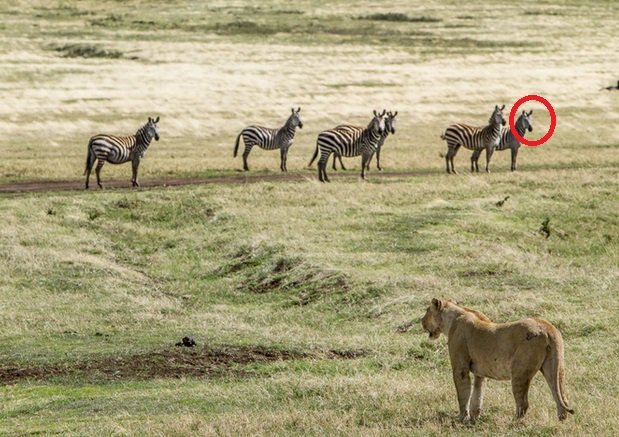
[502, 107]
[299, 110]
[395, 113]
[157, 121]
[384, 112]
[375, 114]
[150, 119]
[292, 110]
[530, 112]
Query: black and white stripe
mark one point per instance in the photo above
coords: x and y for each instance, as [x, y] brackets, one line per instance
[473, 138]
[270, 139]
[389, 121]
[346, 140]
[389, 129]
[507, 140]
[118, 150]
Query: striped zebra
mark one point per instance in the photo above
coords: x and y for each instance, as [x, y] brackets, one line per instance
[389, 121]
[118, 150]
[473, 138]
[349, 141]
[507, 139]
[389, 129]
[270, 139]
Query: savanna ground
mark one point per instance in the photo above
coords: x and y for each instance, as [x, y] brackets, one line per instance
[296, 292]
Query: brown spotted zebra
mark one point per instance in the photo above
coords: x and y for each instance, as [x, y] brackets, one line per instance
[473, 138]
[349, 141]
[507, 139]
[270, 139]
[118, 150]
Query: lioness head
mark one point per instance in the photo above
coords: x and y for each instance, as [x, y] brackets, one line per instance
[432, 321]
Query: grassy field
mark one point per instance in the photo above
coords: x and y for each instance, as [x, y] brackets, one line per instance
[297, 292]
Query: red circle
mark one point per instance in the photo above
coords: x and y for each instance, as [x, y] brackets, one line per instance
[553, 120]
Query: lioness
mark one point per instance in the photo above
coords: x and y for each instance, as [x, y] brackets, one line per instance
[515, 350]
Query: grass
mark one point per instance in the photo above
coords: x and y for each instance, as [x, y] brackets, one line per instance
[304, 299]
[155, 265]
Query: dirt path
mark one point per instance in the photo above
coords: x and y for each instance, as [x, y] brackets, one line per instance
[69, 185]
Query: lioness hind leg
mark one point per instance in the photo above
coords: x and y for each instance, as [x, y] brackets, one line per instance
[462, 380]
[524, 367]
[520, 389]
[477, 397]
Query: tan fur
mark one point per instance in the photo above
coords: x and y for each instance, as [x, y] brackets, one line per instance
[513, 351]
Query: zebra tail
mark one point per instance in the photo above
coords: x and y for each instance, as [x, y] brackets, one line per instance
[88, 154]
[236, 146]
[443, 136]
[314, 157]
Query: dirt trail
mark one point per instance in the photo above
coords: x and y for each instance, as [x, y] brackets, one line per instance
[68, 185]
[171, 363]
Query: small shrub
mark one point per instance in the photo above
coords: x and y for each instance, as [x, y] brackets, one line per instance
[399, 17]
[86, 51]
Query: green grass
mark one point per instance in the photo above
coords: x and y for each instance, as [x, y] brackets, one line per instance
[308, 268]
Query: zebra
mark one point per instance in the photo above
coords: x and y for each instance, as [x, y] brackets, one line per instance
[508, 140]
[270, 139]
[389, 129]
[349, 141]
[473, 138]
[118, 150]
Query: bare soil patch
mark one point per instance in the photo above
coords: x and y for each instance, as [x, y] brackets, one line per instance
[69, 185]
[174, 363]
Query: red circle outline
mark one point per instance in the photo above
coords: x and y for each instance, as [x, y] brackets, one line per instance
[553, 120]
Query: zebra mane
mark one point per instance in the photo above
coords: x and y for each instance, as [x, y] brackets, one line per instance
[142, 130]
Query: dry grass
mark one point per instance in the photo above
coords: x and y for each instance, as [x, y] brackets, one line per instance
[207, 87]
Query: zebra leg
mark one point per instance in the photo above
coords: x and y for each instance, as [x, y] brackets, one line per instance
[447, 160]
[334, 162]
[286, 161]
[135, 163]
[514, 158]
[322, 167]
[365, 160]
[98, 171]
[451, 158]
[489, 152]
[90, 161]
[474, 161]
[341, 162]
[378, 160]
[245, 155]
[282, 153]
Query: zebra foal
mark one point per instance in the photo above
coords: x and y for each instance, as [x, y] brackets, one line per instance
[473, 138]
[118, 150]
[507, 140]
[270, 139]
[346, 140]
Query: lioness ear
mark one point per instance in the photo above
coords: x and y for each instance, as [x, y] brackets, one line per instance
[438, 304]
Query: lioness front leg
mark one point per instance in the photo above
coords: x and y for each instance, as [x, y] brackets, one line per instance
[477, 397]
[462, 380]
